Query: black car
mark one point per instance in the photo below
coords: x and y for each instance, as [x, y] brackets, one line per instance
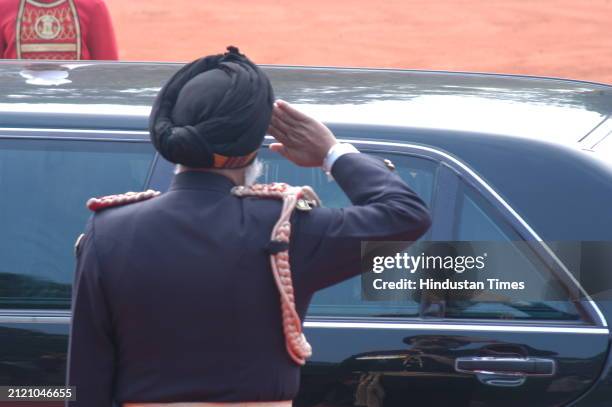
[521, 160]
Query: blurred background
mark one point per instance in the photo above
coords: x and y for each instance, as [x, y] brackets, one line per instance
[560, 38]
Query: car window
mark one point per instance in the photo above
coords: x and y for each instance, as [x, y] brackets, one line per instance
[44, 185]
[510, 259]
[345, 298]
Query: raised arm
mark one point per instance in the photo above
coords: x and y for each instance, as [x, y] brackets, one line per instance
[326, 242]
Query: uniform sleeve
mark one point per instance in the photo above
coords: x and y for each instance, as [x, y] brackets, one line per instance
[101, 35]
[326, 245]
[91, 353]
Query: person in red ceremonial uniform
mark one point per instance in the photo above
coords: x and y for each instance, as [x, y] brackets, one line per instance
[56, 29]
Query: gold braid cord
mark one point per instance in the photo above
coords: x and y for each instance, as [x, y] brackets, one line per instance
[109, 201]
[298, 348]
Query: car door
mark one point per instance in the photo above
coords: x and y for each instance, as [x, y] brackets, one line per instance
[44, 184]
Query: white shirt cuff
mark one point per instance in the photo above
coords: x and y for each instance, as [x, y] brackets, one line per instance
[335, 152]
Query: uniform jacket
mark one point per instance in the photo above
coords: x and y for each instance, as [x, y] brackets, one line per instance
[174, 299]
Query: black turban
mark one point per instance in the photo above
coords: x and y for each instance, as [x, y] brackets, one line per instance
[214, 112]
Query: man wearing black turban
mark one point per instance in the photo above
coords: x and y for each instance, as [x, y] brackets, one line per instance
[213, 113]
[185, 298]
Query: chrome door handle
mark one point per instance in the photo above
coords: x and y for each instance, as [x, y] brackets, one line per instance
[505, 371]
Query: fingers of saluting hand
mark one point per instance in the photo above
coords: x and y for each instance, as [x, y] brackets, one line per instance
[284, 117]
[291, 111]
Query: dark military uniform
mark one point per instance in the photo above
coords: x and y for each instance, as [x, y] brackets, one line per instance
[174, 299]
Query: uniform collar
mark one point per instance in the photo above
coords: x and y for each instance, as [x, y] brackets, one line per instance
[201, 180]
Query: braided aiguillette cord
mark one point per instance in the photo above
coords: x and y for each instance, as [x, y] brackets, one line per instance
[295, 341]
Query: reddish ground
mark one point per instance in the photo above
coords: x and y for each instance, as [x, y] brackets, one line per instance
[565, 38]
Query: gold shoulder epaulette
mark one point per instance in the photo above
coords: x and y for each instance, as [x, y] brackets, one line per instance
[305, 196]
[109, 201]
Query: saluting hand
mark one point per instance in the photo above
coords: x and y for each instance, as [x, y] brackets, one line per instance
[301, 139]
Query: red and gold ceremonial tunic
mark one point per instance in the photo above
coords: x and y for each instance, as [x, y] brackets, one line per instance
[56, 29]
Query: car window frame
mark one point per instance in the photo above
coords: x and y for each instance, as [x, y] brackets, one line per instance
[590, 313]
[159, 172]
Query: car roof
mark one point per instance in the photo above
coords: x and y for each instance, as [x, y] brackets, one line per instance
[112, 94]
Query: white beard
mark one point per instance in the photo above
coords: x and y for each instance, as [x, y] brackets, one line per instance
[252, 172]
